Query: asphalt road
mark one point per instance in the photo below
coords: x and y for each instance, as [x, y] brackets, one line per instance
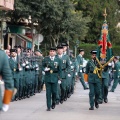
[75, 108]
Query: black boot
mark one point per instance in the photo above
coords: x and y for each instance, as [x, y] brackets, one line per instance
[96, 104]
[91, 108]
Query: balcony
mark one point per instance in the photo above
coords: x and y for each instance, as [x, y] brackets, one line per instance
[6, 4]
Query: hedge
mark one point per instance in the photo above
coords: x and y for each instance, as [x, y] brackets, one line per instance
[89, 47]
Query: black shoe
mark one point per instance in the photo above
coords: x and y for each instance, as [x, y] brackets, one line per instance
[16, 99]
[61, 101]
[91, 108]
[86, 88]
[28, 96]
[99, 102]
[48, 109]
[106, 100]
[53, 105]
[69, 95]
[57, 102]
[111, 90]
[65, 99]
[96, 104]
[20, 98]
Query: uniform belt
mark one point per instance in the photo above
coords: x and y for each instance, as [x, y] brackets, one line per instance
[90, 71]
[63, 69]
[27, 69]
[15, 70]
[115, 70]
[51, 71]
[72, 69]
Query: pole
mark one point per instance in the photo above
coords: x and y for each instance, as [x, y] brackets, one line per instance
[75, 51]
[38, 44]
[32, 36]
[1, 42]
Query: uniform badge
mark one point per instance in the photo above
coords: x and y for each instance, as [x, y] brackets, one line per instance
[14, 69]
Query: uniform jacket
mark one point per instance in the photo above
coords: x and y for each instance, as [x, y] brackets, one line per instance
[54, 73]
[14, 67]
[117, 70]
[80, 62]
[6, 74]
[92, 78]
[65, 65]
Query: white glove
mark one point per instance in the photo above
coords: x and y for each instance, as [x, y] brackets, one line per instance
[43, 72]
[59, 81]
[20, 69]
[76, 73]
[109, 64]
[118, 76]
[46, 69]
[5, 107]
[23, 64]
[80, 70]
[69, 75]
[27, 62]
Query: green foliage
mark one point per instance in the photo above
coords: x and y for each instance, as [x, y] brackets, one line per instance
[57, 19]
[95, 9]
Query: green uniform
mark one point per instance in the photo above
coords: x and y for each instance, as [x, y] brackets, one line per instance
[94, 83]
[80, 64]
[40, 80]
[65, 64]
[116, 76]
[51, 78]
[16, 75]
[5, 71]
[74, 72]
[28, 82]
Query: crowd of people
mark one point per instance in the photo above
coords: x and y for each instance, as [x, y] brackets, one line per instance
[29, 71]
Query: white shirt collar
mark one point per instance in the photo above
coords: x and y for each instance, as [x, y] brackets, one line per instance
[52, 57]
[80, 55]
[60, 56]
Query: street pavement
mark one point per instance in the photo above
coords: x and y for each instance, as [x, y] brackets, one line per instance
[75, 108]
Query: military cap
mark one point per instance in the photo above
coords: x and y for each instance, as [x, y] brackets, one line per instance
[28, 48]
[13, 50]
[93, 52]
[53, 48]
[17, 46]
[80, 50]
[38, 50]
[117, 57]
[59, 47]
[64, 44]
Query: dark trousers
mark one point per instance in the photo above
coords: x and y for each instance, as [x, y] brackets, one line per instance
[82, 80]
[94, 93]
[51, 89]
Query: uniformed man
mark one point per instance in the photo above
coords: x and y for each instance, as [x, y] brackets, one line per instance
[19, 62]
[8, 81]
[66, 71]
[94, 81]
[15, 70]
[38, 53]
[59, 55]
[28, 75]
[74, 71]
[116, 71]
[52, 68]
[80, 65]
